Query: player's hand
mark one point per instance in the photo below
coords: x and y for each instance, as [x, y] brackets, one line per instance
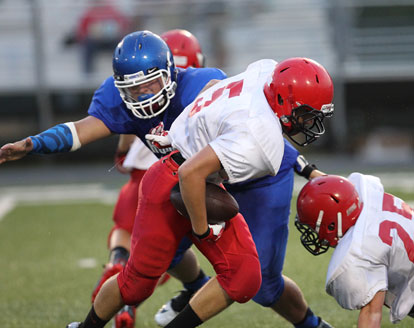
[213, 233]
[16, 150]
[119, 159]
[159, 137]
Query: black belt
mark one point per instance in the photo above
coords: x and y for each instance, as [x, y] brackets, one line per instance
[178, 158]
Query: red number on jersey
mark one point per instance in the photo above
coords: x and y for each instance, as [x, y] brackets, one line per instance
[234, 88]
[385, 235]
[388, 204]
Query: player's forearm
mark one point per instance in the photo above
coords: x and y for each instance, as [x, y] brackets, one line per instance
[192, 188]
[369, 320]
[60, 138]
[193, 174]
[305, 169]
[371, 314]
[125, 142]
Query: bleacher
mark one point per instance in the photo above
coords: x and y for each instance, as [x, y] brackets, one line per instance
[366, 41]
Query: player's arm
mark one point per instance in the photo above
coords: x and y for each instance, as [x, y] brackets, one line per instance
[60, 138]
[125, 142]
[192, 174]
[371, 314]
[306, 170]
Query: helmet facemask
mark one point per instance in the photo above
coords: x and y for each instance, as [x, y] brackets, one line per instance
[305, 124]
[146, 105]
[310, 239]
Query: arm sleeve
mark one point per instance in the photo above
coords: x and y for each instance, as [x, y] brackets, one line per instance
[58, 139]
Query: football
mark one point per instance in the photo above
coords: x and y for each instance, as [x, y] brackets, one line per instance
[220, 205]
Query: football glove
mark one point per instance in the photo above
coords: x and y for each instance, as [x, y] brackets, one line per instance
[213, 232]
[159, 137]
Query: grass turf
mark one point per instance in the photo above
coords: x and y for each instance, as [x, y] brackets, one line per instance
[42, 284]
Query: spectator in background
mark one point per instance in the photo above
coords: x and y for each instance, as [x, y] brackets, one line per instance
[100, 28]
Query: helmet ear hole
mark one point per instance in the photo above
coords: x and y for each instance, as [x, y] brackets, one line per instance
[331, 227]
[279, 99]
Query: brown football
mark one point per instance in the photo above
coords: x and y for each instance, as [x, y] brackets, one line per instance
[220, 205]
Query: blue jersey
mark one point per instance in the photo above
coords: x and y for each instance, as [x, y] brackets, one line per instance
[107, 105]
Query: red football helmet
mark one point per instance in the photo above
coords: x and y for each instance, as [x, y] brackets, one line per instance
[327, 207]
[300, 92]
[185, 48]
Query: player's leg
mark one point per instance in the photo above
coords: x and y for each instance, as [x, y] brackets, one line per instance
[268, 223]
[158, 230]
[235, 261]
[119, 241]
[186, 268]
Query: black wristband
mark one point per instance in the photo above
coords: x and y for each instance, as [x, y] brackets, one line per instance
[307, 170]
[204, 235]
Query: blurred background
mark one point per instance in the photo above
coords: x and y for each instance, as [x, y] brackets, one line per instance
[54, 54]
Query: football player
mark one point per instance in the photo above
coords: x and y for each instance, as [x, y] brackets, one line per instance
[373, 262]
[232, 131]
[134, 157]
[186, 50]
[265, 205]
[142, 61]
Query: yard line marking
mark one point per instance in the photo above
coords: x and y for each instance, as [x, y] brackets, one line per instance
[88, 263]
[53, 194]
[7, 204]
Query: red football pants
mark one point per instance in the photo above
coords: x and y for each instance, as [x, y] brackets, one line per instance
[126, 205]
[158, 231]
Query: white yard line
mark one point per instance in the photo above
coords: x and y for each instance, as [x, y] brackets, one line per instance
[10, 197]
[7, 204]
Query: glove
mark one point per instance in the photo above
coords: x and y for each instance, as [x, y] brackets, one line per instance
[303, 168]
[213, 232]
[159, 137]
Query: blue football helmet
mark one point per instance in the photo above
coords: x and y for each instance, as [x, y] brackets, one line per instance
[141, 60]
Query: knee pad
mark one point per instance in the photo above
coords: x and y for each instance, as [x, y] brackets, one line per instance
[135, 288]
[242, 281]
[270, 290]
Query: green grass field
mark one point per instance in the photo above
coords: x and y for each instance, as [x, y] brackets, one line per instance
[42, 284]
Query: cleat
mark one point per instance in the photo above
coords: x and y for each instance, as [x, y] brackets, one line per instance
[172, 308]
[323, 324]
[73, 325]
[125, 318]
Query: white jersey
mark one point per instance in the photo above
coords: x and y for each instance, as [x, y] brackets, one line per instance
[139, 156]
[377, 254]
[235, 119]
